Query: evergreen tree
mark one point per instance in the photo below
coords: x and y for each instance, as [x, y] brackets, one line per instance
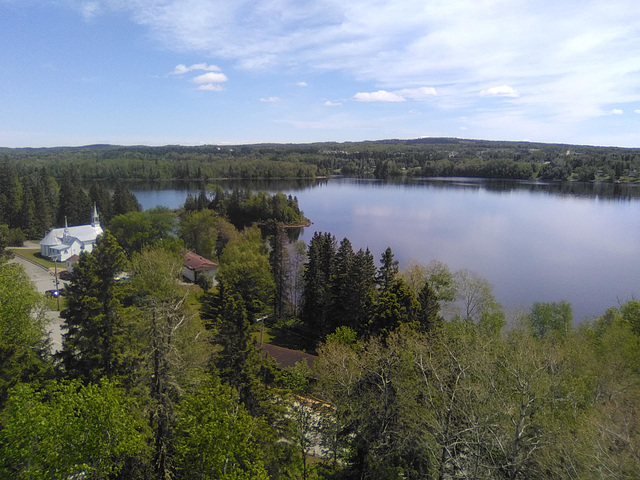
[10, 195]
[44, 207]
[124, 201]
[28, 220]
[316, 296]
[279, 260]
[97, 334]
[101, 198]
[429, 314]
[73, 204]
[344, 304]
[395, 305]
[388, 270]
[238, 362]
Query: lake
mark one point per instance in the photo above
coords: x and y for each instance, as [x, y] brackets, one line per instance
[543, 242]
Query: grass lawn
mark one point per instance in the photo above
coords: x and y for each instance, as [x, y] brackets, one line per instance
[34, 255]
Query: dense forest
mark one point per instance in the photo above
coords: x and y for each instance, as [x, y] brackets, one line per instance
[409, 374]
[382, 159]
[418, 373]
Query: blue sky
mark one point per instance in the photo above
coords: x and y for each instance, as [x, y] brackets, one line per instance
[155, 72]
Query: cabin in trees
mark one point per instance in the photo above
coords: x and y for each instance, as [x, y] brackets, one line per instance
[195, 266]
[63, 243]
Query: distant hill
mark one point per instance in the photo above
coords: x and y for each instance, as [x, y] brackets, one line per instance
[429, 156]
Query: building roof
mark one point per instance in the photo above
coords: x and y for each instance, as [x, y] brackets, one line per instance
[197, 263]
[84, 233]
[285, 357]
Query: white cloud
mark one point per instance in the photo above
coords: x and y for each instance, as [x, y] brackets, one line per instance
[89, 9]
[302, 84]
[459, 47]
[211, 77]
[270, 99]
[181, 69]
[417, 93]
[330, 103]
[501, 91]
[617, 111]
[637, 110]
[211, 87]
[379, 96]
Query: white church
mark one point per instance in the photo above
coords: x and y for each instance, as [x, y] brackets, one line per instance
[63, 243]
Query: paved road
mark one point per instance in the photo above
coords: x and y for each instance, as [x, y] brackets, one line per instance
[44, 280]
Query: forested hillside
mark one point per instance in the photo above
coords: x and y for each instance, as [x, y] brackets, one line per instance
[383, 159]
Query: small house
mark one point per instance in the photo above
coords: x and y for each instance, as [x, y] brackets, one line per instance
[195, 266]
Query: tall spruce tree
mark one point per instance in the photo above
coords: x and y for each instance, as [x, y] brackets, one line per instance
[238, 362]
[101, 198]
[388, 270]
[124, 201]
[318, 273]
[97, 334]
[429, 313]
[279, 260]
[74, 205]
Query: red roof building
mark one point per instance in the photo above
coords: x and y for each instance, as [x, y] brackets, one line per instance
[195, 265]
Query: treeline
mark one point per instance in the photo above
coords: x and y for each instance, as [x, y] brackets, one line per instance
[31, 204]
[244, 208]
[382, 159]
[113, 163]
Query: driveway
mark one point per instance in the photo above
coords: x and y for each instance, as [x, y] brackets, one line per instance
[43, 281]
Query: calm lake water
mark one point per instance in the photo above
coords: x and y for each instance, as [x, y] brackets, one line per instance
[532, 241]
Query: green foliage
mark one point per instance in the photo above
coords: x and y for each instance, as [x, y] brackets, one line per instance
[68, 428]
[244, 266]
[96, 340]
[216, 437]
[547, 318]
[206, 233]
[238, 361]
[135, 231]
[163, 318]
[123, 200]
[23, 346]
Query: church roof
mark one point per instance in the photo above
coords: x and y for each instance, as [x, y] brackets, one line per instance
[84, 233]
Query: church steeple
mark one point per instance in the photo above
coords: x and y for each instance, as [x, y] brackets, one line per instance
[95, 218]
[65, 235]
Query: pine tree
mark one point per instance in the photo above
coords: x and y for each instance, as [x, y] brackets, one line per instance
[73, 204]
[388, 270]
[101, 198]
[429, 313]
[316, 296]
[343, 302]
[124, 201]
[279, 260]
[96, 337]
[238, 363]
[28, 220]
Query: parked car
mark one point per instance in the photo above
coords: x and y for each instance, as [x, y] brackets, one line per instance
[65, 275]
[52, 293]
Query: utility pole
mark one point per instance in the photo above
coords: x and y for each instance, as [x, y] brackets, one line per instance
[55, 268]
[262, 319]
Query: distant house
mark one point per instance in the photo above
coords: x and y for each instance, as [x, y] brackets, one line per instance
[60, 244]
[194, 266]
[71, 262]
[285, 357]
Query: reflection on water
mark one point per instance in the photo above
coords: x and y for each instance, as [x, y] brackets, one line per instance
[533, 241]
